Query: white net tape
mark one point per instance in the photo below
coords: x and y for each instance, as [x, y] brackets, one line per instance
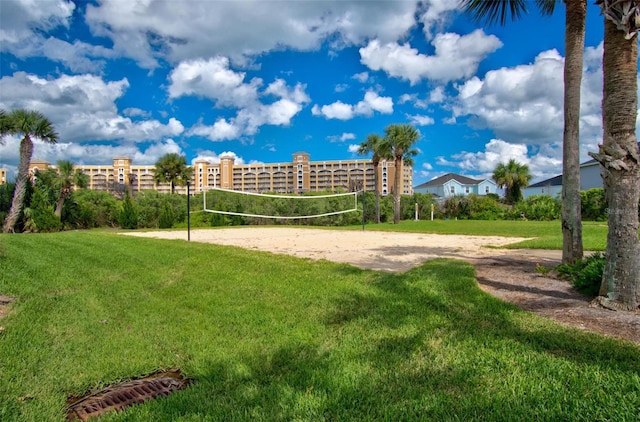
[286, 197]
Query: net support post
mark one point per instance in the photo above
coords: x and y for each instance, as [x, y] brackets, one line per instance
[188, 212]
[362, 209]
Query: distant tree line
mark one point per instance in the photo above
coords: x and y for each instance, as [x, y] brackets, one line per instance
[536, 207]
[86, 209]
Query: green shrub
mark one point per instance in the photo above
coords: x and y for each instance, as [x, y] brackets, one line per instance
[586, 274]
[457, 207]
[6, 196]
[39, 216]
[408, 206]
[485, 208]
[149, 205]
[593, 204]
[128, 217]
[97, 209]
[537, 207]
[166, 219]
[473, 207]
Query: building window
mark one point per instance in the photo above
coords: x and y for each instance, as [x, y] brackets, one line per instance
[466, 189]
[486, 189]
[453, 190]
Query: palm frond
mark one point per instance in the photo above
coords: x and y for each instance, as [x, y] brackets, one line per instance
[547, 7]
[495, 11]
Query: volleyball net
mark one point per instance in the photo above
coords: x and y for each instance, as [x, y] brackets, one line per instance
[277, 206]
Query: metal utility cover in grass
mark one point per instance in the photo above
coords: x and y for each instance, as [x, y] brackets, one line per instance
[120, 396]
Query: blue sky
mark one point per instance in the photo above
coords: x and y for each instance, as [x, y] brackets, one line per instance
[265, 79]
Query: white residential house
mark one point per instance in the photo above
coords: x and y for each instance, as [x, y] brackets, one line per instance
[452, 184]
[551, 187]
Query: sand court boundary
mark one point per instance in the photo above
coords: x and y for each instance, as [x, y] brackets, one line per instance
[368, 249]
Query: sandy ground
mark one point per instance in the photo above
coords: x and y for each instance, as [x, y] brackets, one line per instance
[375, 250]
[509, 274]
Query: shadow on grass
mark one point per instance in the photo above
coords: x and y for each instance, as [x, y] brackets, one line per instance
[424, 345]
[529, 289]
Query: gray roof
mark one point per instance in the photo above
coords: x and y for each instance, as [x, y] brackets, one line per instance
[554, 181]
[439, 181]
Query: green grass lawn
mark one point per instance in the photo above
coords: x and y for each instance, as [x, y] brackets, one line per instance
[547, 234]
[271, 337]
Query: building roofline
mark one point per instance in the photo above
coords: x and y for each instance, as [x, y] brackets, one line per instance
[439, 181]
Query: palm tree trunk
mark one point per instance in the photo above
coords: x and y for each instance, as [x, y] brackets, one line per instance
[26, 150]
[396, 191]
[571, 213]
[60, 204]
[620, 169]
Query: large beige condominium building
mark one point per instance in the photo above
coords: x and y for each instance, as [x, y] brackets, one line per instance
[300, 175]
[108, 177]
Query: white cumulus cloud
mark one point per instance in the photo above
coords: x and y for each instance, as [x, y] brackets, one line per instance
[524, 104]
[148, 31]
[253, 109]
[213, 79]
[82, 107]
[20, 17]
[435, 14]
[456, 57]
[543, 162]
[372, 102]
[420, 120]
[353, 148]
[213, 157]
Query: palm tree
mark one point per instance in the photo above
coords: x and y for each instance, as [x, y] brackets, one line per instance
[400, 139]
[575, 17]
[619, 156]
[512, 176]
[31, 124]
[172, 168]
[375, 145]
[66, 178]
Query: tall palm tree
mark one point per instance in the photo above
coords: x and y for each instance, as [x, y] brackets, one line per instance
[377, 146]
[172, 168]
[31, 124]
[400, 139]
[619, 156]
[67, 177]
[575, 17]
[512, 176]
